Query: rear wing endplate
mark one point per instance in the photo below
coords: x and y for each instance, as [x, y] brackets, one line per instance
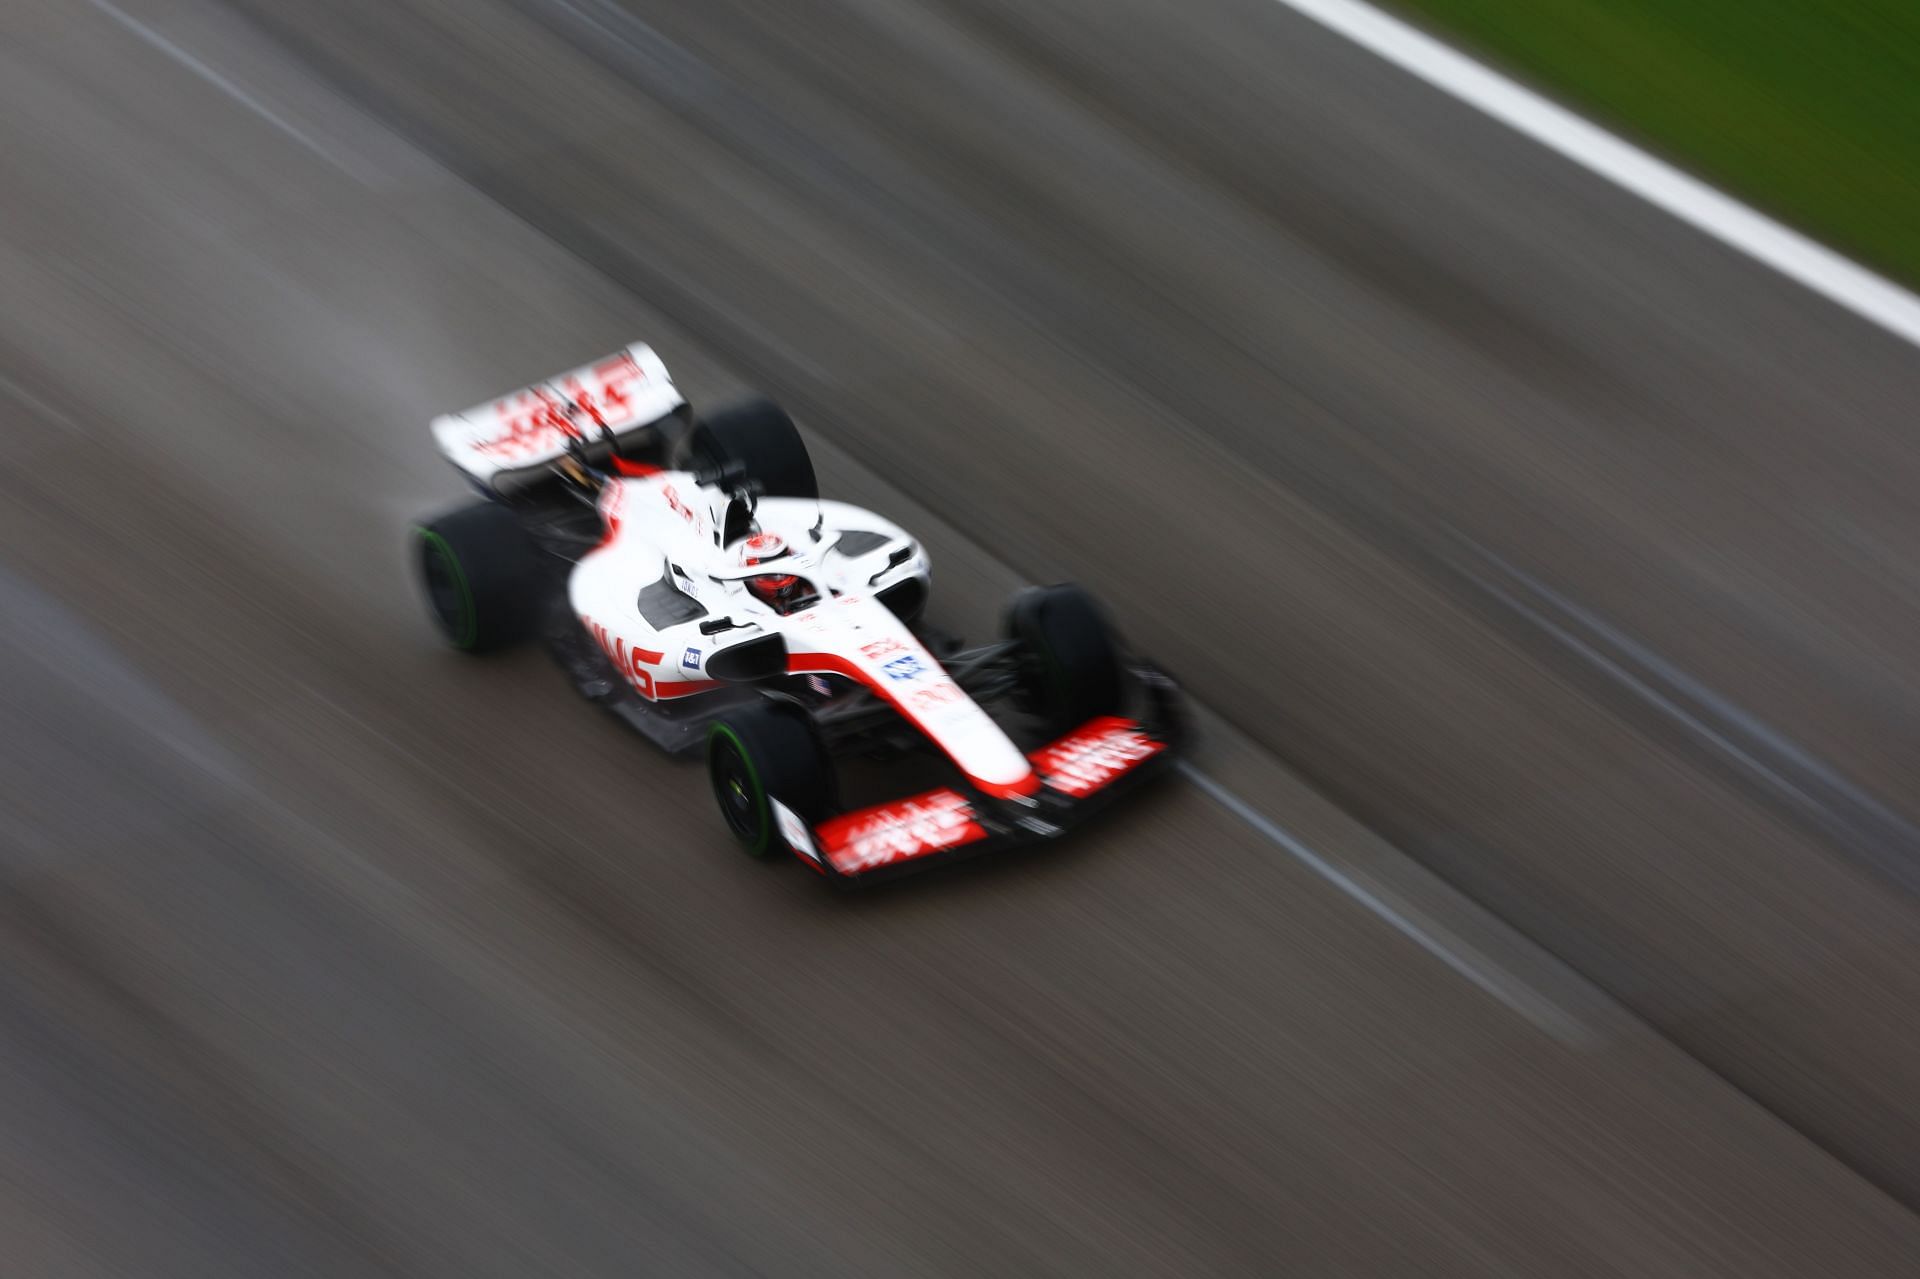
[512, 437]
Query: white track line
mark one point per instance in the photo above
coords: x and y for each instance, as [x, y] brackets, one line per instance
[215, 79]
[1692, 201]
[1509, 990]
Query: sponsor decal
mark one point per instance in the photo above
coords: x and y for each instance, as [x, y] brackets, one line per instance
[690, 660]
[537, 418]
[672, 496]
[899, 832]
[881, 648]
[1093, 755]
[945, 693]
[630, 662]
[794, 831]
[908, 667]
[532, 426]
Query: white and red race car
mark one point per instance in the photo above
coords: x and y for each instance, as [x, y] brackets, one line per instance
[687, 574]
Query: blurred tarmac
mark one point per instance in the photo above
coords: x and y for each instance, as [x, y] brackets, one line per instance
[1544, 569]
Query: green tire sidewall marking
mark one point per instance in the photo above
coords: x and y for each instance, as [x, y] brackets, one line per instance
[469, 631]
[759, 847]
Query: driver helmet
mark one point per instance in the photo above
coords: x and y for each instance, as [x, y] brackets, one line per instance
[781, 592]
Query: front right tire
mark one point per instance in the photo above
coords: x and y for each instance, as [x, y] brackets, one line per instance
[1071, 669]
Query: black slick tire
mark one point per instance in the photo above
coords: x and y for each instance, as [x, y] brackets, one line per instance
[1071, 667]
[757, 437]
[761, 753]
[482, 578]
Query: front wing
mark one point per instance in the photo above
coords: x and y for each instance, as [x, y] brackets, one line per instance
[1081, 773]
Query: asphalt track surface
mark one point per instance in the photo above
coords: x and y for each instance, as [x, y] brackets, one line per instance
[1546, 574]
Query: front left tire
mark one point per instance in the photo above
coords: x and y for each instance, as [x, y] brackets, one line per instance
[763, 752]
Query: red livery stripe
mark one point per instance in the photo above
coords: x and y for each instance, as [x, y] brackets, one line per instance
[1094, 755]
[663, 689]
[898, 832]
[833, 664]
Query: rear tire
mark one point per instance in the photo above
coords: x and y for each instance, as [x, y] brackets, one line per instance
[1071, 668]
[757, 436]
[482, 578]
[761, 753]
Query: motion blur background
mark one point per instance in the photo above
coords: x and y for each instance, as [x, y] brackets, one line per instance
[1545, 572]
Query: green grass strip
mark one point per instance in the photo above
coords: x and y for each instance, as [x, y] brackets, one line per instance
[1806, 109]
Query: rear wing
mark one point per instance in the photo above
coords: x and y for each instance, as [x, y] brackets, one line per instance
[512, 437]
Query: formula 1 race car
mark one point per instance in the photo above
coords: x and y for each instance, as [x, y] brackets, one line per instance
[686, 573]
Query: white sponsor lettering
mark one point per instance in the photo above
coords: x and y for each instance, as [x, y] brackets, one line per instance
[907, 830]
[1086, 761]
[794, 831]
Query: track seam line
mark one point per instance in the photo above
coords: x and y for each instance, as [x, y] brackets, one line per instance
[27, 398]
[217, 80]
[1458, 956]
